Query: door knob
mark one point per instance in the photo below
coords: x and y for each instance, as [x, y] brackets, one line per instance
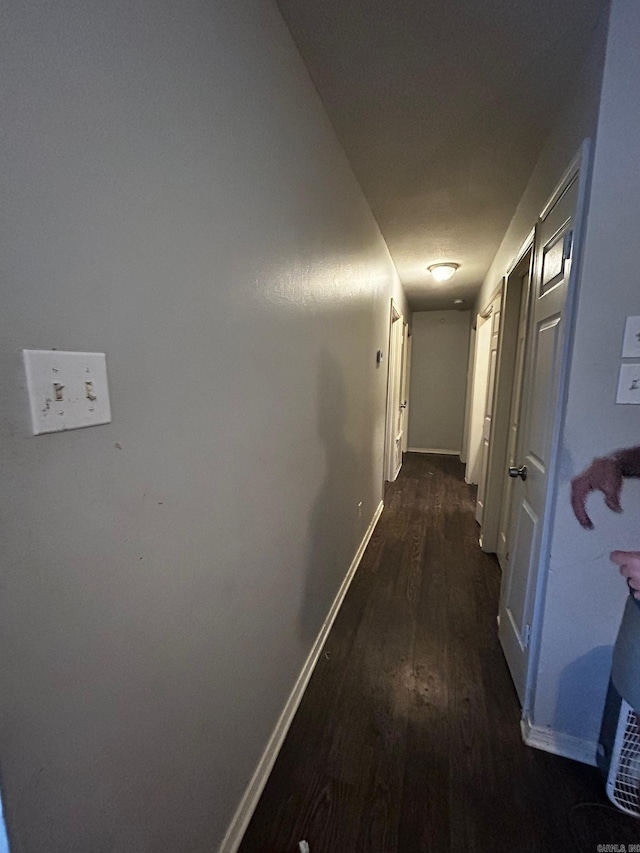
[518, 472]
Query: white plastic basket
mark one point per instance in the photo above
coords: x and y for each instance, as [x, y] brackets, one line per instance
[623, 780]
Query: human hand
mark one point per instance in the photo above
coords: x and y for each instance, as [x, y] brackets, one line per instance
[629, 565]
[603, 475]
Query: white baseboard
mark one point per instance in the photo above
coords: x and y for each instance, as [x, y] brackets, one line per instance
[254, 789]
[439, 450]
[558, 743]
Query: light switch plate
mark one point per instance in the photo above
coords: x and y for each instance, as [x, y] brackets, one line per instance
[631, 340]
[67, 390]
[629, 384]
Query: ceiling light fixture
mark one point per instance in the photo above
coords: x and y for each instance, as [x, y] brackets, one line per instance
[443, 272]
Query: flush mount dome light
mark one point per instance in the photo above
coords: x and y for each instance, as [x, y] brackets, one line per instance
[443, 272]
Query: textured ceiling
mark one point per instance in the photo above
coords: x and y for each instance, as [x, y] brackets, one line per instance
[442, 107]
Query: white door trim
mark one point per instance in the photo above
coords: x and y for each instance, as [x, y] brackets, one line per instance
[526, 247]
[407, 350]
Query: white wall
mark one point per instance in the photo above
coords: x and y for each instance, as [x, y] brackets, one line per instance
[173, 195]
[576, 121]
[438, 379]
[585, 594]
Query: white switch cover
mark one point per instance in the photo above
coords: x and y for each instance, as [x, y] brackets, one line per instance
[629, 384]
[67, 390]
[631, 340]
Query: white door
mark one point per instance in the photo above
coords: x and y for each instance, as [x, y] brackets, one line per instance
[494, 320]
[537, 434]
[503, 548]
[396, 404]
[466, 434]
[478, 402]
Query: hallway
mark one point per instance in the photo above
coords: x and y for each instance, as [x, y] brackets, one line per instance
[408, 738]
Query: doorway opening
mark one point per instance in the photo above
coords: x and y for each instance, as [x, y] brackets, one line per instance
[505, 404]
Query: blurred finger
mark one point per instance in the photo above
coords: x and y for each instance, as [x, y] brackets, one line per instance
[620, 558]
[611, 491]
[579, 491]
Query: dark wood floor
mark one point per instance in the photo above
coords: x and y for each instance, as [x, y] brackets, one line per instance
[408, 737]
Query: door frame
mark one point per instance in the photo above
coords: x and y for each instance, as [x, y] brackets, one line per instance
[494, 313]
[478, 395]
[394, 377]
[581, 166]
[471, 356]
[407, 347]
[497, 482]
